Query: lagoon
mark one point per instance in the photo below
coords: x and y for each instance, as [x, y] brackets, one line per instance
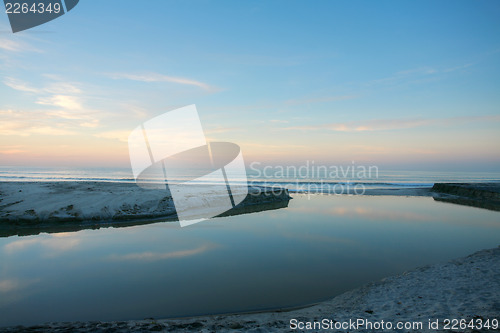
[317, 248]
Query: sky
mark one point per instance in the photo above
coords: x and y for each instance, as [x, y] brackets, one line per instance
[403, 85]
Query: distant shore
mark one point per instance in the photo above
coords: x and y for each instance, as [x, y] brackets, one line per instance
[467, 288]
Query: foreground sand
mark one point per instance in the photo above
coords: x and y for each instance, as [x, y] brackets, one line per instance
[466, 288]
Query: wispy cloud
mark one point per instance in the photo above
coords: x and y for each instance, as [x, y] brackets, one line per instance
[404, 75]
[20, 85]
[259, 59]
[63, 101]
[271, 146]
[16, 46]
[323, 99]
[393, 124]
[54, 87]
[43, 122]
[378, 150]
[156, 77]
[11, 150]
[120, 135]
[67, 111]
[218, 130]
[453, 69]
[416, 74]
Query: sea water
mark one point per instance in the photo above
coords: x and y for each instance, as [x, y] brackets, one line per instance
[295, 179]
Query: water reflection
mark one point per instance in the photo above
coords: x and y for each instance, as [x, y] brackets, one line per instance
[154, 256]
[310, 251]
[50, 246]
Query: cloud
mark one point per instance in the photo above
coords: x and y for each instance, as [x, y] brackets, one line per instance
[114, 135]
[156, 77]
[67, 110]
[278, 121]
[59, 94]
[155, 256]
[218, 130]
[318, 100]
[16, 46]
[58, 87]
[271, 146]
[404, 76]
[19, 85]
[393, 124]
[9, 45]
[48, 130]
[63, 101]
[62, 114]
[416, 74]
[44, 122]
[261, 59]
[453, 69]
[12, 150]
[64, 88]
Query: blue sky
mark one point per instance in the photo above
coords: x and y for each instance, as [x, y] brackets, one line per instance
[400, 84]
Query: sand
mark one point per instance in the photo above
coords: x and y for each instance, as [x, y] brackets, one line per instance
[466, 288]
[47, 206]
[28, 208]
[45, 202]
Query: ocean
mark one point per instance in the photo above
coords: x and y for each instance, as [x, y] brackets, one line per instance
[293, 178]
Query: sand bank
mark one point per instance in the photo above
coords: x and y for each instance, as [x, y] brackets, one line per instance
[30, 207]
[481, 195]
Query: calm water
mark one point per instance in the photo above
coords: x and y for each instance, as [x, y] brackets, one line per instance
[310, 251]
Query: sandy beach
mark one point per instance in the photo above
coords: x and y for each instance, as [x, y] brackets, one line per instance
[30, 207]
[467, 288]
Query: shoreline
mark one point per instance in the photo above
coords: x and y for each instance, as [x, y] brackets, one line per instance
[464, 288]
[28, 208]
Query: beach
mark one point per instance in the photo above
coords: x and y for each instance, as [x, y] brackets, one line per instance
[250, 166]
[27, 207]
[30, 207]
[467, 288]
